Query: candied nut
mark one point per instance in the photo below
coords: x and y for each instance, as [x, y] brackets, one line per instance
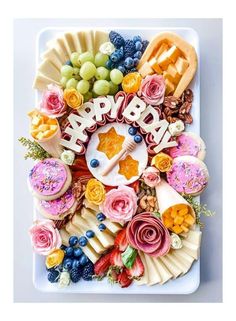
[188, 95]
[181, 117]
[188, 119]
[185, 108]
[171, 102]
[151, 201]
[143, 202]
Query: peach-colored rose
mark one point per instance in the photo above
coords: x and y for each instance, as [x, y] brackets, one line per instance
[152, 89]
[45, 237]
[163, 162]
[52, 102]
[151, 176]
[73, 98]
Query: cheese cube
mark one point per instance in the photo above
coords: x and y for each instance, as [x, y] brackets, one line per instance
[173, 213]
[173, 53]
[44, 127]
[164, 61]
[168, 222]
[181, 65]
[146, 69]
[183, 212]
[185, 229]
[153, 63]
[164, 47]
[172, 71]
[170, 87]
[189, 219]
[178, 220]
[177, 229]
[40, 135]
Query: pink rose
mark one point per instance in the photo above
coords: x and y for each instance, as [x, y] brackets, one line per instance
[120, 204]
[44, 237]
[151, 176]
[52, 102]
[152, 89]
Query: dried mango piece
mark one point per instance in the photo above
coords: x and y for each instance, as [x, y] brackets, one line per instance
[189, 219]
[110, 143]
[177, 229]
[128, 167]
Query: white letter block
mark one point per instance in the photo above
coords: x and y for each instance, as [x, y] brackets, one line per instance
[133, 111]
[165, 143]
[87, 111]
[148, 111]
[115, 105]
[99, 111]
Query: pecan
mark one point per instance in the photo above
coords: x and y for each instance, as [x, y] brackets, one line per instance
[182, 117]
[185, 108]
[188, 95]
[163, 115]
[171, 102]
[188, 119]
[172, 119]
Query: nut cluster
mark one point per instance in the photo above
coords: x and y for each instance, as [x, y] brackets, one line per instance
[174, 108]
[147, 199]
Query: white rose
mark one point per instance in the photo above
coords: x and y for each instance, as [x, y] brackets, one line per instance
[64, 279]
[68, 157]
[107, 48]
[176, 242]
[176, 128]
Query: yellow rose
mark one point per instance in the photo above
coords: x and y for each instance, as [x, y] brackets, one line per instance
[163, 162]
[95, 192]
[73, 98]
[55, 258]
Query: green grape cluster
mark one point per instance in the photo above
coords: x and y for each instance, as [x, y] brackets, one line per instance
[89, 76]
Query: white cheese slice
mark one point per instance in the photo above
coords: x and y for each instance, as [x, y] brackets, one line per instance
[183, 266]
[184, 260]
[153, 274]
[49, 70]
[191, 249]
[81, 40]
[99, 38]
[173, 268]
[164, 272]
[52, 55]
[106, 239]
[194, 237]
[69, 42]
[88, 34]
[144, 279]
[76, 43]
[94, 207]
[64, 237]
[41, 82]
[82, 224]
[62, 50]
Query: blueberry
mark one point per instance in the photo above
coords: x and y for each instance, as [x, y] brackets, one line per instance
[69, 251]
[67, 264]
[94, 163]
[75, 264]
[114, 57]
[133, 70]
[138, 54]
[90, 234]
[83, 259]
[100, 217]
[53, 276]
[122, 69]
[69, 63]
[145, 44]
[138, 139]
[136, 62]
[109, 64]
[63, 247]
[129, 63]
[88, 271]
[102, 227]
[138, 45]
[83, 241]
[78, 252]
[137, 38]
[132, 131]
[73, 240]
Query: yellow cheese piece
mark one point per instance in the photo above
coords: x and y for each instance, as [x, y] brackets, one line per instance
[173, 268]
[164, 272]
[145, 70]
[92, 206]
[173, 53]
[164, 60]
[163, 47]
[64, 237]
[170, 87]
[181, 65]
[153, 63]
[153, 274]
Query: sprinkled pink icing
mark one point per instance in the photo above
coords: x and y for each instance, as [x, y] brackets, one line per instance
[186, 146]
[187, 177]
[48, 177]
[59, 205]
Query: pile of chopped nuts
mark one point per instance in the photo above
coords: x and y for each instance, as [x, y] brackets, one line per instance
[147, 199]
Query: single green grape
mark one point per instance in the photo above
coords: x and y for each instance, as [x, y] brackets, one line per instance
[100, 59]
[83, 86]
[67, 71]
[88, 96]
[86, 56]
[116, 76]
[74, 58]
[113, 88]
[102, 73]
[88, 70]
[71, 83]
[101, 87]
[63, 81]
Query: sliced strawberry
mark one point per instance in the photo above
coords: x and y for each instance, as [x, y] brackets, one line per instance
[121, 240]
[102, 265]
[124, 279]
[137, 269]
[115, 258]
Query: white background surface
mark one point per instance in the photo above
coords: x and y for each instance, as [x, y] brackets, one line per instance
[210, 35]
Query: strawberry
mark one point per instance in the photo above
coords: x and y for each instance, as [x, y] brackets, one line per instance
[137, 269]
[115, 258]
[121, 240]
[124, 279]
[102, 265]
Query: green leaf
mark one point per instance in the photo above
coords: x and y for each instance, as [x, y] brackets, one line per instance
[157, 214]
[128, 257]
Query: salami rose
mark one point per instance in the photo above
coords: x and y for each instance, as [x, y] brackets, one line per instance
[147, 233]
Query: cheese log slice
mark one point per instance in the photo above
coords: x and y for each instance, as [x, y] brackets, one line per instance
[181, 65]
[52, 55]
[106, 239]
[80, 223]
[41, 82]
[99, 38]
[173, 53]
[153, 63]
[191, 249]
[164, 60]
[88, 251]
[153, 273]
[64, 237]
[49, 70]
[144, 279]
[69, 42]
[88, 35]
[164, 272]
[173, 268]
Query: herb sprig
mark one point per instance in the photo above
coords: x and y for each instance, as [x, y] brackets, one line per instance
[35, 151]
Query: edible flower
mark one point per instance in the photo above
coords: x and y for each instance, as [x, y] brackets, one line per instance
[95, 192]
[68, 156]
[176, 242]
[73, 98]
[151, 176]
[162, 162]
[64, 279]
[55, 258]
[176, 128]
[107, 48]
[52, 102]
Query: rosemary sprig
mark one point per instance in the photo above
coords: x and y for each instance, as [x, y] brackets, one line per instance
[35, 151]
[199, 209]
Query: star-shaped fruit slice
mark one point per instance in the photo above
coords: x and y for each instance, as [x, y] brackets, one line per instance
[110, 143]
[128, 167]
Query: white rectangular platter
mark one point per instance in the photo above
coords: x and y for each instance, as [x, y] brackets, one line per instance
[185, 284]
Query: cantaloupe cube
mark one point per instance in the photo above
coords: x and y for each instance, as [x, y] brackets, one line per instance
[44, 127]
[181, 65]
[178, 220]
[163, 48]
[173, 53]
[170, 87]
[51, 121]
[168, 222]
[164, 61]
[48, 133]
[153, 63]
[40, 135]
[183, 212]
[173, 213]
[177, 229]
[189, 219]
[184, 228]
[146, 69]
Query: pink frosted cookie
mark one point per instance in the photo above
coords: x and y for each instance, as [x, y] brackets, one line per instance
[188, 144]
[188, 175]
[49, 179]
[59, 208]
